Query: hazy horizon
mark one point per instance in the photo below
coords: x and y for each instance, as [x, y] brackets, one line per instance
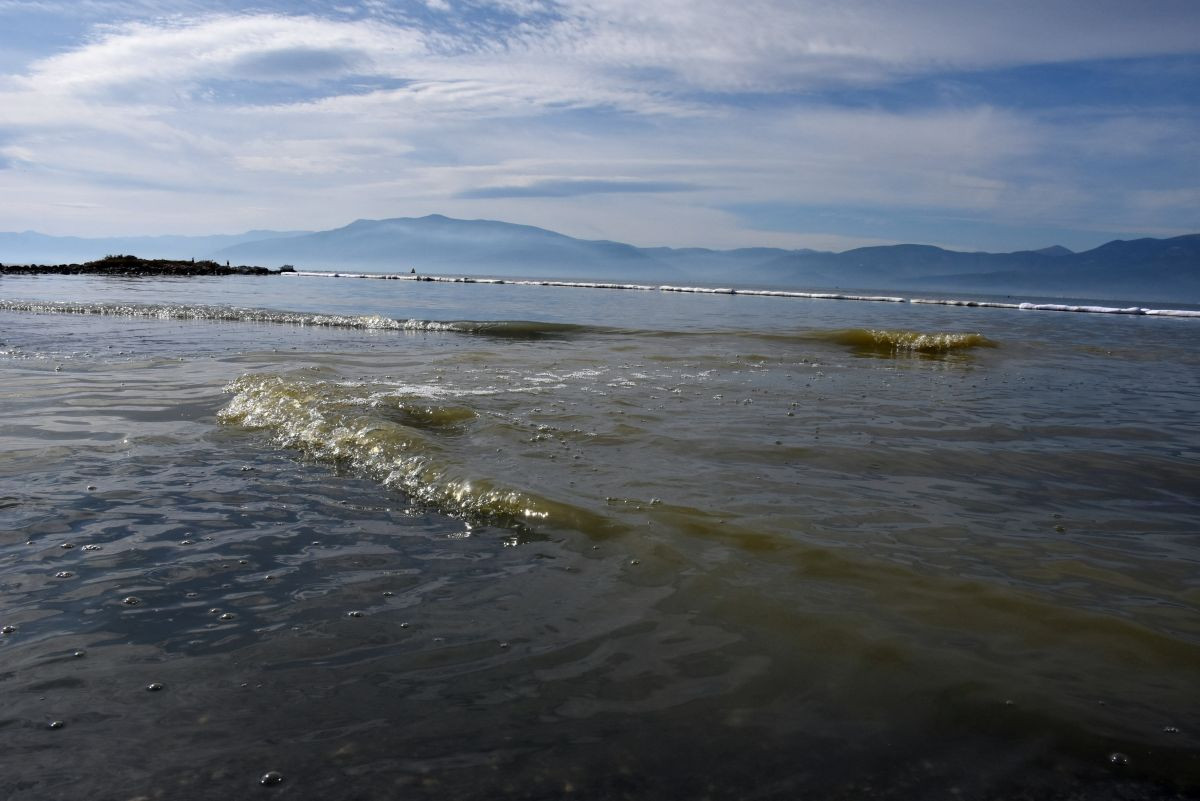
[642, 245]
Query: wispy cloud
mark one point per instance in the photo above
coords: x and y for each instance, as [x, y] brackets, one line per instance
[577, 187]
[179, 56]
[612, 118]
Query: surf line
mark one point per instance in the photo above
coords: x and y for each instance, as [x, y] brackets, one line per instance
[771, 293]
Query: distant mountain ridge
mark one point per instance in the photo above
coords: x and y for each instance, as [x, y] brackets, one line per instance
[443, 244]
[1140, 269]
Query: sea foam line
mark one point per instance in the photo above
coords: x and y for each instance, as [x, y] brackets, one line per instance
[771, 293]
[228, 314]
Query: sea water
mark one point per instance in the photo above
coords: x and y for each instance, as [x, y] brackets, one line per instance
[342, 539]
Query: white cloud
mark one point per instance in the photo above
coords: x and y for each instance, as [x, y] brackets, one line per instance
[624, 48]
[668, 92]
[785, 45]
[143, 54]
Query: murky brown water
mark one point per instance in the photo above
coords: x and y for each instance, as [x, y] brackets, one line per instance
[704, 557]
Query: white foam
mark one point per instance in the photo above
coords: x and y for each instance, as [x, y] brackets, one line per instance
[230, 314]
[1173, 312]
[177, 312]
[771, 293]
[990, 304]
[1059, 307]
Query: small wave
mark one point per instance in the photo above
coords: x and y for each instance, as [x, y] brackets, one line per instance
[330, 422]
[525, 329]
[982, 304]
[432, 417]
[505, 329]
[226, 314]
[1063, 307]
[901, 342]
[406, 443]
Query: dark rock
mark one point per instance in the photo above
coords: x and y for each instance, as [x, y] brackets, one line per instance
[132, 266]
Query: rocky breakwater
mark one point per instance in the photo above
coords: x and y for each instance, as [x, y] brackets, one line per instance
[133, 266]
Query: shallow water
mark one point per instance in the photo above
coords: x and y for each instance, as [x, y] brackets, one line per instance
[603, 544]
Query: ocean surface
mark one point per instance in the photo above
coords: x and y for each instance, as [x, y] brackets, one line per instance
[314, 538]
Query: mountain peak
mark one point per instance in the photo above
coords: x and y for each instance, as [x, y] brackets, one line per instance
[1055, 250]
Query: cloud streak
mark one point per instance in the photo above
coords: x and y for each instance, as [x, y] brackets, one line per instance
[596, 116]
[577, 187]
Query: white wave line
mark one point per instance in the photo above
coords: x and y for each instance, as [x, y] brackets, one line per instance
[772, 293]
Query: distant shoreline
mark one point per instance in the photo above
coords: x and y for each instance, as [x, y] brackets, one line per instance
[132, 266]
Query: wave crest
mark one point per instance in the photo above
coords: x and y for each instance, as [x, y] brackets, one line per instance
[892, 342]
[408, 443]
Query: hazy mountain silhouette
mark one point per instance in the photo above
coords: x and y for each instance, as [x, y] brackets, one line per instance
[1140, 269]
[442, 244]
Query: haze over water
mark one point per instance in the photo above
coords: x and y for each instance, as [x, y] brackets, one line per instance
[596, 544]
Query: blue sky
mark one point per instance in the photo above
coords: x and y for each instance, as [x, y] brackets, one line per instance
[793, 123]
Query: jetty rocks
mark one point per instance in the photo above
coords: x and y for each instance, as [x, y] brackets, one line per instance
[133, 266]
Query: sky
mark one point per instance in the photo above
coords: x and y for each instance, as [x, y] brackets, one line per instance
[791, 123]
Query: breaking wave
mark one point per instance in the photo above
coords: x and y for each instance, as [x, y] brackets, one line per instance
[901, 342]
[408, 441]
[505, 329]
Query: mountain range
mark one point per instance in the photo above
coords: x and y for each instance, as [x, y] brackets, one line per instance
[1135, 270]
